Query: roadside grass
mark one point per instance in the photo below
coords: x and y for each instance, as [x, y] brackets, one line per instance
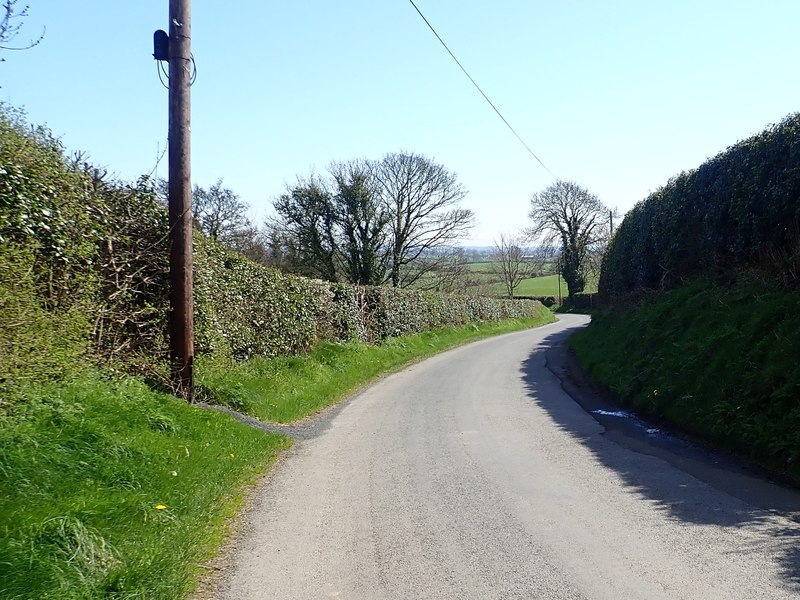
[286, 389]
[109, 489]
[718, 361]
[85, 469]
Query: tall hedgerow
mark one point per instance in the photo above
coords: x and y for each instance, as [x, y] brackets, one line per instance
[738, 210]
[86, 279]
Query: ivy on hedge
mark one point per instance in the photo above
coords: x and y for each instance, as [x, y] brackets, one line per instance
[244, 309]
[85, 261]
[740, 209]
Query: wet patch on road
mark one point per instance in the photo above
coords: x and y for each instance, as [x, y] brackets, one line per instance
[635, 432]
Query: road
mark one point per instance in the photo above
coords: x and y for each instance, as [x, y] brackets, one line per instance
[474, 475]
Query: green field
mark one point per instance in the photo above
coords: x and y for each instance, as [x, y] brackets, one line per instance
[536, 286]
[478, 267]
[487, 281]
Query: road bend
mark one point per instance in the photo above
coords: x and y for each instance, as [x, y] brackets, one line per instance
[475, 475]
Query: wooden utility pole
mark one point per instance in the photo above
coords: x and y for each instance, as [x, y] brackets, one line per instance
[181, 317]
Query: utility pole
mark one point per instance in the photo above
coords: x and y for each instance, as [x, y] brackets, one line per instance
[181, 316]
[558, 278]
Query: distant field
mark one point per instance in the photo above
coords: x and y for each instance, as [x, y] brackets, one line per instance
[487, 282]
[537, 286]
[546, 285]
[485, 267]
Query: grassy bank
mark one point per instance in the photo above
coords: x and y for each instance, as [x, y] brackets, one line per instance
[109, 489]
[717, 361]
[285, 389]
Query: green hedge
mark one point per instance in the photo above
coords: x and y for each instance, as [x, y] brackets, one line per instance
[85, 270]
[244, 309]
[738, 210]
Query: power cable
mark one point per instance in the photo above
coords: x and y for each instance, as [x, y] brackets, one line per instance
[499, 114]
[162, 69]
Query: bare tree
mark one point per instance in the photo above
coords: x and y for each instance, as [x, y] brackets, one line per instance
[252, 242]
[422, 199]
[279, 247]
[452, 274]
[10, 24]
[569, 215]
[514, 261]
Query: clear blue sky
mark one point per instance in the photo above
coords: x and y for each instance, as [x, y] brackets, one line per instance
[618, 96]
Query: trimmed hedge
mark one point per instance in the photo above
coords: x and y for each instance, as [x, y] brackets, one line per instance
[84, 268]
[243, 309]
[738, 210]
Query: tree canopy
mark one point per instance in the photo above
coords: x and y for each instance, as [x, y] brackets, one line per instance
[576, 221]
[422, 198]
[219, 212]
[372, 222]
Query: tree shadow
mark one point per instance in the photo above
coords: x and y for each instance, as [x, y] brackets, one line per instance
[750, 502]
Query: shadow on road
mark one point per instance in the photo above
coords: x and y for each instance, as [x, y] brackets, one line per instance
[752, 501]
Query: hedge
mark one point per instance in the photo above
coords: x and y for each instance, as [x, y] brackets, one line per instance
[85, 274]
[245, 309]
[738, 210]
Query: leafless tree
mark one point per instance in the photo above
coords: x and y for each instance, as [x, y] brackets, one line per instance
[10, 24]
[451, 274]
[576, 220]
[514, 261]
[422, 199]
[251, 241]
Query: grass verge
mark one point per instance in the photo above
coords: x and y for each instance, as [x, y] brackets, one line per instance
[286, 389]
[111, 490]
[717, 361]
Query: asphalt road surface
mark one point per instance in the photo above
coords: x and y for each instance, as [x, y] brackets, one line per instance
[475, 475]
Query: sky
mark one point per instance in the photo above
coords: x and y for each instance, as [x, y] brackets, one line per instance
[617, 96]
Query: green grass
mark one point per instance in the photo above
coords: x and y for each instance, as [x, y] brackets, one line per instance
[111, 490]
[480, 267]
[84, 469]
[536, 286]
[717, 361]
[285, 389]
[547, 285]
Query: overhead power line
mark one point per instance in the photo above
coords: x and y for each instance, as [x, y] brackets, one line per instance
[477, 87]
